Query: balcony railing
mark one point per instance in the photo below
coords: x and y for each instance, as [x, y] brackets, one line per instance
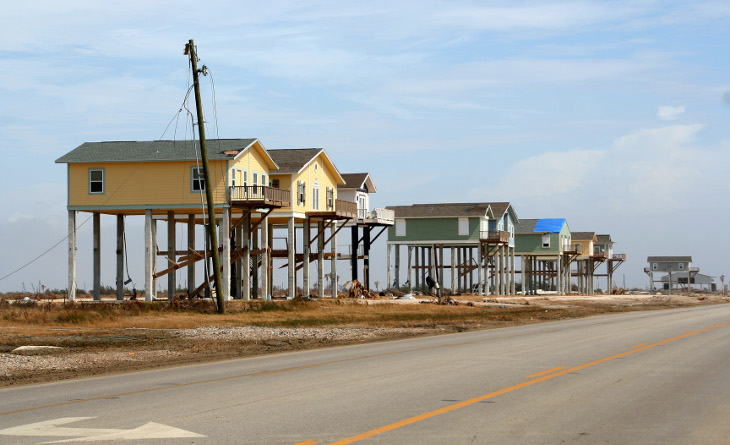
[577, 249]
[259, 194]
[345, 208]
[494, 236]
[380, 215]
[619, 256]
[600, 255]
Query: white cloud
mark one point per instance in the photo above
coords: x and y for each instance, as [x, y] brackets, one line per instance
[669, 112]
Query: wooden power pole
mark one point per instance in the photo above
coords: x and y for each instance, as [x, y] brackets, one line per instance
[210, 228]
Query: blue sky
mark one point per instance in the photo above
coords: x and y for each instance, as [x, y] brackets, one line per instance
[613, 115]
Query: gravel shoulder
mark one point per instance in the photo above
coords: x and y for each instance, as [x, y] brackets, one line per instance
[94, 351]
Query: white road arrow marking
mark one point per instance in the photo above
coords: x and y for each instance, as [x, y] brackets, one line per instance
[51, 428]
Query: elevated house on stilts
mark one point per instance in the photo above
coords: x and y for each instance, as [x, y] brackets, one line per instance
[604, 244]
[357, 188]
[313, 180]
[546, 254]
[479, 236]
[163, 180]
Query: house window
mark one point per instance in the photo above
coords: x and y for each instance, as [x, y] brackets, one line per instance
[301, 193]
[245, 177]
[263, 179]
[316, 166]
[96, 181]
[197, 179]
[654, 266]
[255, 179]
[576, 246]
[330, 198]
[463, 226]
[233, 177]
[681, 266]
[546, 241]
[315, 198]
[275, 183]
[400, 227]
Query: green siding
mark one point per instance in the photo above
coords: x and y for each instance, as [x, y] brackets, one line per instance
[435, 229]
[532, 243]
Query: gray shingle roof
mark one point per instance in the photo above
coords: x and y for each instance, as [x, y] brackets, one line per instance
[136, 151]
[604, 239]
[582, 236]
[526, 226]
[669, 259]
[440, 210]
[291, 160]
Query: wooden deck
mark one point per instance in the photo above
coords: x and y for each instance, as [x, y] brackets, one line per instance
[494, 236]
[259, 195]
[343, 210]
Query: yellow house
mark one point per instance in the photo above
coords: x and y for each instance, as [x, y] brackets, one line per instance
[164, 180]
[312, 178]
[587, 261]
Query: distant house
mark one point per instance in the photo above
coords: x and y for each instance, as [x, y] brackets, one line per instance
[586, 262]
[604, 246]
[697, 280]
[479, 235]
[544, 246]
[671, 266]
[357, 188]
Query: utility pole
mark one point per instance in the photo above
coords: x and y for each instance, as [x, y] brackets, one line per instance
[190, 49]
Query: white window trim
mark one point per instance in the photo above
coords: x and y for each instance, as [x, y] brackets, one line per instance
[400, 227]
[199, 179]
[103, 181]
[463, 227]
[545, 237]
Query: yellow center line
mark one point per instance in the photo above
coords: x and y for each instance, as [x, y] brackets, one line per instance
[283, 370]
[499, 392]
[307, 442]
[639, 345]
[538, 374]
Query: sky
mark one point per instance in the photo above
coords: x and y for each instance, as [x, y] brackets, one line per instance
[613, 115]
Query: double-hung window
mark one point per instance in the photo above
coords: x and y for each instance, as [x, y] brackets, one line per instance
[330, 198]
[96, 181]
[197, 179]
[315, 198]
[546, 241]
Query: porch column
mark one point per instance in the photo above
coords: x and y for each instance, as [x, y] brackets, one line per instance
[471, 272]
[458, 270]
[441, 268]
[71, 289]
[171, 255]
[333, 260]
[410, 269]
[97, 255]
[120, 257]
[238, 265]
[353, 251]
[397, 267]
[320, 259]
[254, 264]
[389, 275]
[245, 229]
[224, 237]
[291, 267]
[191, 246]
[305, 269]
[366, 257]
[559, 275]
[422, 270]
[148, 255]
[154, 258]
[513, 288]
[453, 271]
[479, 271]
[265, 260]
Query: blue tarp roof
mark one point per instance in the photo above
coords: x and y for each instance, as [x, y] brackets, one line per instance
[550, 225]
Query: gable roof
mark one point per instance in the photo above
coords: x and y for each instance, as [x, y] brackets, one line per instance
[604, 239]
[442, 210]
[155, 151]
[583, 236]
[669, 259]
[500, 208]
[293, 160]
[550, 225]
[354, 181]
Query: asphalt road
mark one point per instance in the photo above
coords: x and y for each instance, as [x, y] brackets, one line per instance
[659, 377]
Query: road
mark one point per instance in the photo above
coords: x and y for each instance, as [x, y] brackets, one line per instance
[657, 377]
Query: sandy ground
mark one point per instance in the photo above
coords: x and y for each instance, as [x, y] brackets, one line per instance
[145, 349]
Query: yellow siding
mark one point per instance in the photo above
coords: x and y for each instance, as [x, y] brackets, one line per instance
[143, 184]
[252, 161]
